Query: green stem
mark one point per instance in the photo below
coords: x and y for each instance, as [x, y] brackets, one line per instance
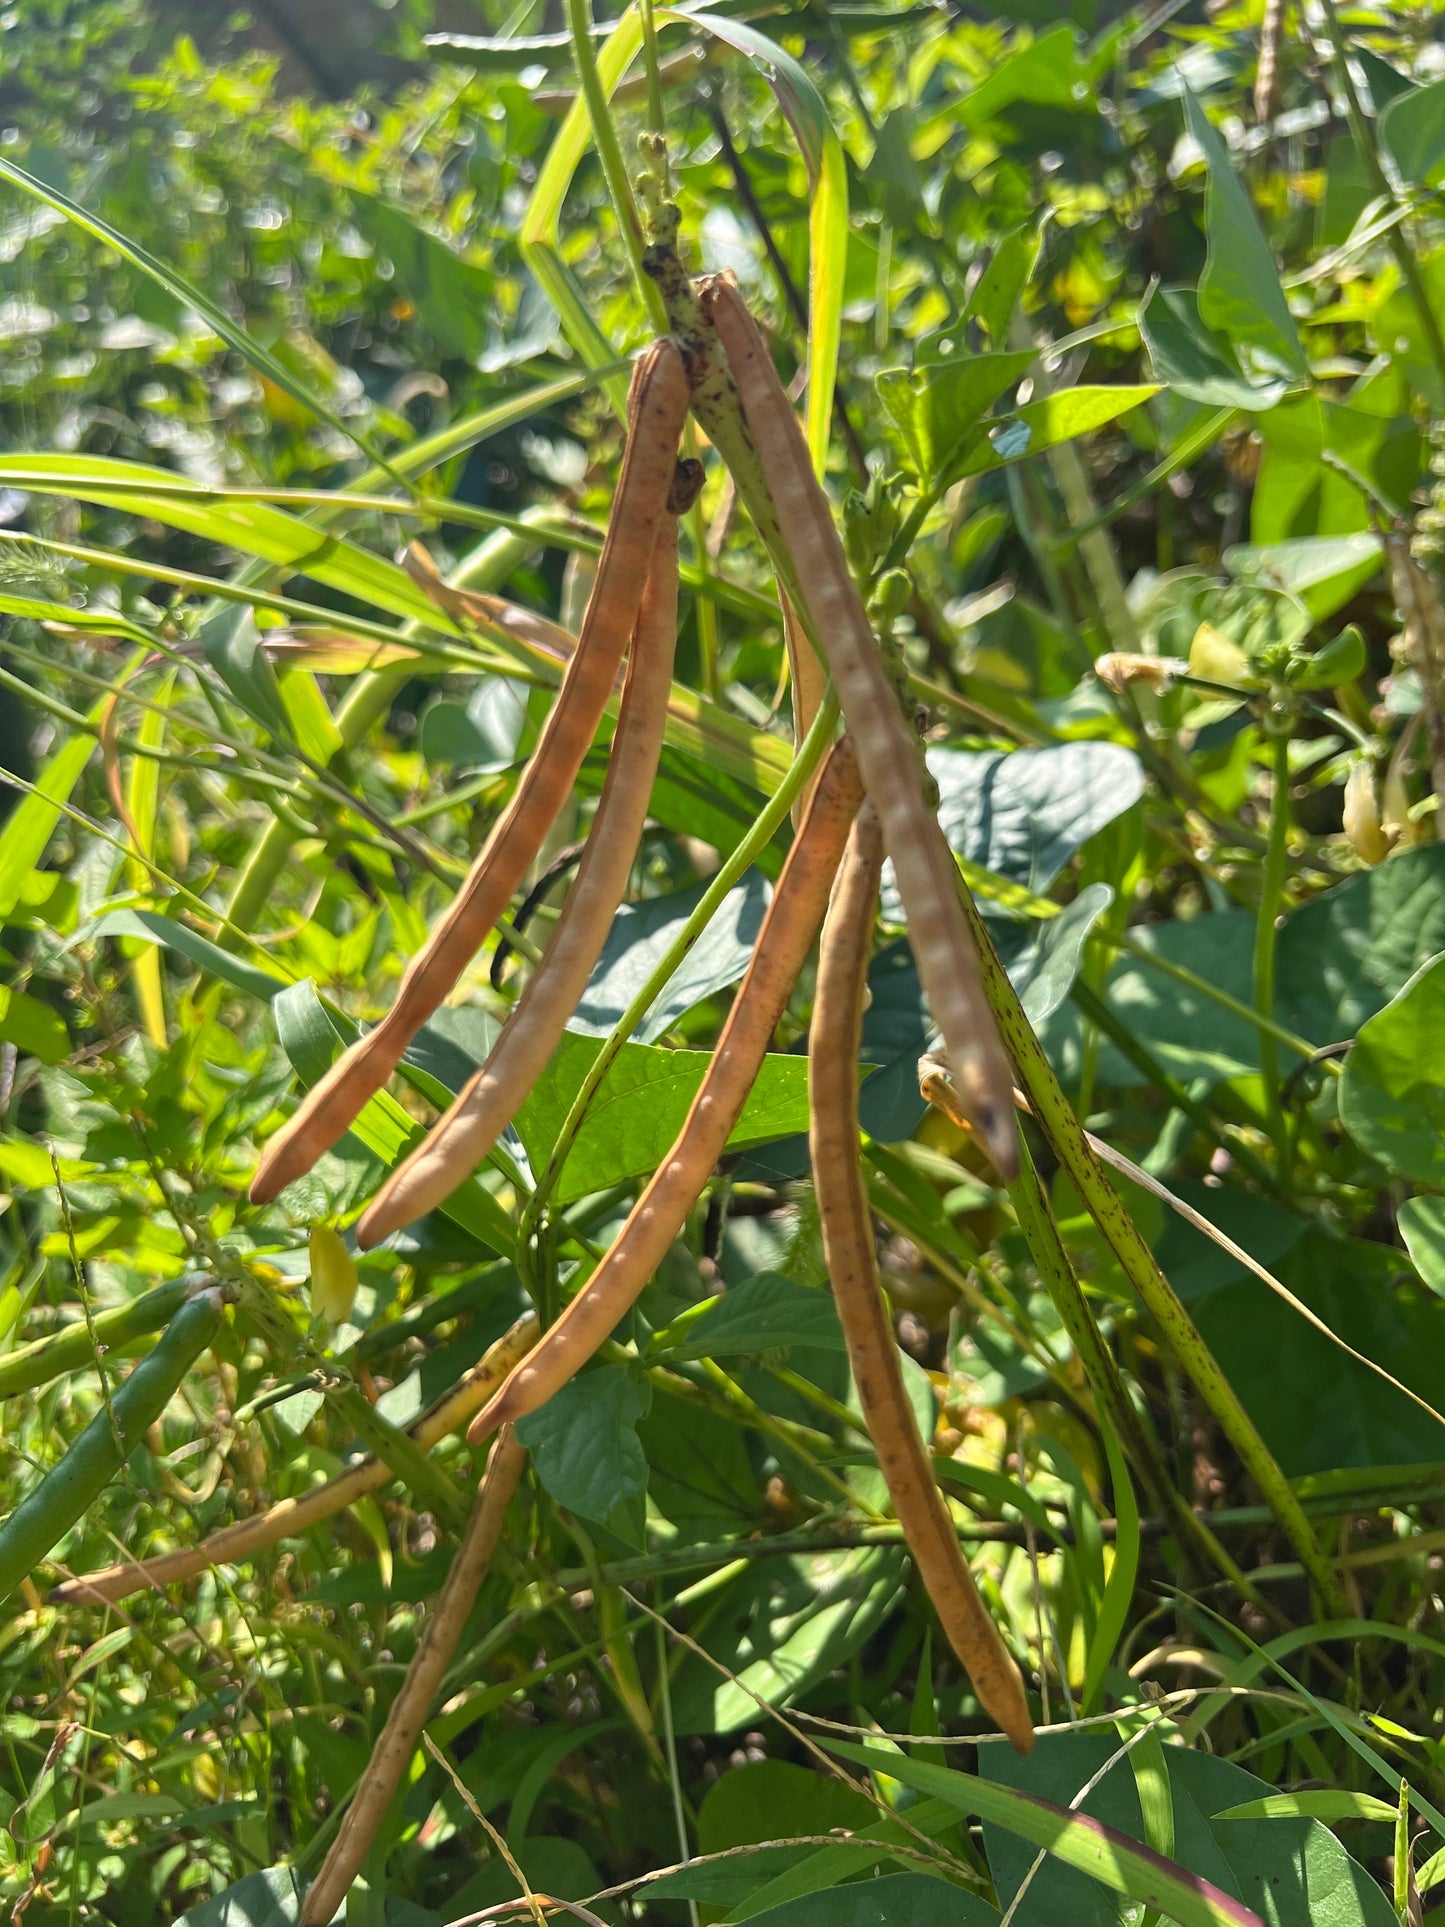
[1364, 131]
[1266, 939]
[774, 814]
[1067, 1140]
[609, 152]
[1041, 1233]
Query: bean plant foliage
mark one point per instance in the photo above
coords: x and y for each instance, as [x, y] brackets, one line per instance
[1118, 342]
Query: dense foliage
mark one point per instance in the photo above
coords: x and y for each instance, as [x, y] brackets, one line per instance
[1122, 340]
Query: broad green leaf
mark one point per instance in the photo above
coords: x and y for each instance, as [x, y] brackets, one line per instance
[1392, 1094]
[1052, 419]
[584, 1441]
[822, 1870]
[32, 1026]
[1195, 362]
[758, 1315]
[311, 1039]
[452, 297]
[640, 1107]
[1412, 133]
[29, 828]
[1042, 72]
[785, 1624]
[1000, 287]
[1023, 814]
[1325, 572]
[1108, 1855]
[895, 1900]
[1299, 493]
[190, 296]
[269, 1899]
[640, 935]
[765, 1798]
[938, 406]
[1240, 293]
[1318, 1409]
[1422, 1226]
[1343, 956]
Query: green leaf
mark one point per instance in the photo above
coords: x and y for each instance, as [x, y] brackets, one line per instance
[151, 927]
[1412, 132]
[254, 528]
[1320, 1803]
[232, 643]
[452, 297]
[190, 296]
[1041, 73]
[1392, 1094]
[31, 824]
[823, 1869]
[1195, 362]
[896, 1900]
[1318, 1409]
[1107, 1855]
[785, 1625]
[764, 1312]
[269, 1899]
[1422, 1226]
[938, 406]
[1240, 293]
[637, 941]
[311, 1038]
[640, 1107]
[1298, 493]
[32, 1027]
[1343, 956]
[1000, 287]
[1325, 572]
[584, 1441]
[1052, 419]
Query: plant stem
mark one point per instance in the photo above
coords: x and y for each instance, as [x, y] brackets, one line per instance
[1265, 944]
[1036, 1221]
[1067, 1140]
[609, 152]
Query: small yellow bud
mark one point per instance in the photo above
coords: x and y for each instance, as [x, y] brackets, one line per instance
[333, 1274]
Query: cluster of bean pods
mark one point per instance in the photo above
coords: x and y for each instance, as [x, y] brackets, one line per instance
[868, 798]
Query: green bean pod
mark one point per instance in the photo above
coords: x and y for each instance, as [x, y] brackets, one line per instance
[71, 1350]
[44, 1517]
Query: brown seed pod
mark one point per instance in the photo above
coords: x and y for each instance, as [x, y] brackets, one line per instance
[888, 752]
[779, 954]
[853, 1267]
[657, 409]
[467, 1131]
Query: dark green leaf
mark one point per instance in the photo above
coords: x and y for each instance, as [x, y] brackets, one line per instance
[1392, 1095]
[1240, 293]
[641, 933]
[1194, 361]
[453, 298]
[763, 1312]
[1412, 132]
[584, 1441]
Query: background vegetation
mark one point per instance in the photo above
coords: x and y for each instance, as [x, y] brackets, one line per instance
[1136, 327]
